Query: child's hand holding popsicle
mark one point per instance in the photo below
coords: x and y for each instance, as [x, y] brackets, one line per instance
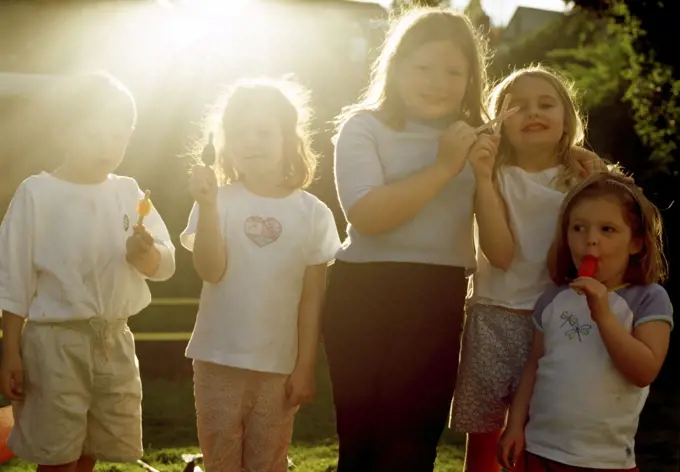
[596, 293]
[139, 246]
[144, 207]
[203, 182]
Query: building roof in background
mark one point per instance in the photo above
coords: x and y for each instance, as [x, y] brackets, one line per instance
[528, 20]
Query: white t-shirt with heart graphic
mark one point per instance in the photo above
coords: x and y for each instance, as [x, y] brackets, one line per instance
[249, 319]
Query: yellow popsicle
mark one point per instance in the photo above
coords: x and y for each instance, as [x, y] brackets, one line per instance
[144, 207]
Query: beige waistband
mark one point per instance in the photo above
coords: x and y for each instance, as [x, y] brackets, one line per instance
[102, 329]
[88, 324]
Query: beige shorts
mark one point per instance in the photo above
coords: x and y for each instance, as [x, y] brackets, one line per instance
[82, 394]
[244, 422]
[496, 344]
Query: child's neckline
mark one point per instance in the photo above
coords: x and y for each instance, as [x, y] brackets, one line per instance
[616, 288]
[77, 184]
[548, 170]
[438, 123]
[266, 197]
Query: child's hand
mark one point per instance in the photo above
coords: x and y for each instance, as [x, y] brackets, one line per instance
[586, 162]
[203, 185]
[482, 155]
[454, 145]
[596, 294]
[138, 245]
[12, 376]
[511, 447]
[300, 386]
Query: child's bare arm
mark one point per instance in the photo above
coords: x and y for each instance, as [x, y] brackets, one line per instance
[209, 249]
[12, 325]
[11, 373]
[301, 384]
[511, 444]
[638, 355]
[18, 282]
[310, 314]
[495, 237]
[519, 409]
[209, 253]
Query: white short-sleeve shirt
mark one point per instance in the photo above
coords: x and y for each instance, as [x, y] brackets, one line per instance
[249, 319]
[533, 202]
[583, 411]
[62, 250]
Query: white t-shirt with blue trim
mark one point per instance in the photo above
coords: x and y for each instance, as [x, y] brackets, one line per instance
[583, 411]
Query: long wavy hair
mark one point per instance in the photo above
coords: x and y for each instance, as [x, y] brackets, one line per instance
[409, 32]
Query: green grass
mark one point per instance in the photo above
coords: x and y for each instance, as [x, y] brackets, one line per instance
[307, 458]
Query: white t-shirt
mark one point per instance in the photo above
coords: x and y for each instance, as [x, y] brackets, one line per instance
[583, 411]
[249, 319]
[62, 250]
[533, 204]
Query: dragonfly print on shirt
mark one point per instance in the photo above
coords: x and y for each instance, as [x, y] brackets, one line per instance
[575, 328]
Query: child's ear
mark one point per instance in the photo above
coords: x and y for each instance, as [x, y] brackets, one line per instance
[636, 246]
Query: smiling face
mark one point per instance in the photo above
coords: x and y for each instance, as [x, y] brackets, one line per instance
[255, 143]
[540, 122]
[432, 81]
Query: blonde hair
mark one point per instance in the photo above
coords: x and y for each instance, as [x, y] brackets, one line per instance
[409, 32]
[288, 102]
[574, 122]
[643, 218]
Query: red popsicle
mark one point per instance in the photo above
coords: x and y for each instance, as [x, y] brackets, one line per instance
[588, 266]
[6, 423]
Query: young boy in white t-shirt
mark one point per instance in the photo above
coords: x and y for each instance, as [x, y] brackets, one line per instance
[73, 269]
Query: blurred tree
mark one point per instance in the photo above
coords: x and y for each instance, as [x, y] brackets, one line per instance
[579, 45]
[645, 33]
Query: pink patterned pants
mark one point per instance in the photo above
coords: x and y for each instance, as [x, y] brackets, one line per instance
[244, 422]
